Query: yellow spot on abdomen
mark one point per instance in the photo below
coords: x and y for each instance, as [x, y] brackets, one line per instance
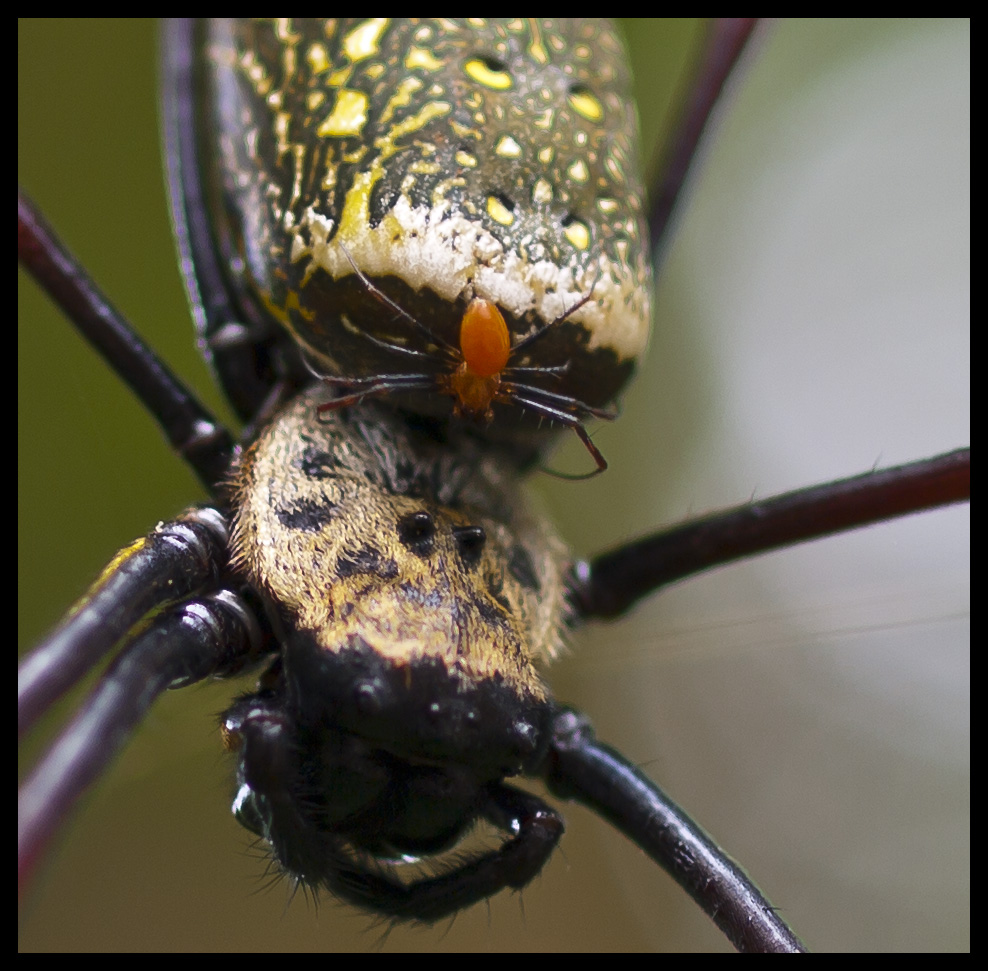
[355, 218]
[419, 57]
[507, 147]
[318, 58]
[499, 212]
[363, 40]
[542, 192]
[479, 71]
[401, 98]
[348, 116]
[578, 171]
[586, 105]
[578, 233]
[434, 109]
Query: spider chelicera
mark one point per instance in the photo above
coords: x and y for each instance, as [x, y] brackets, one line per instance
[195, 810]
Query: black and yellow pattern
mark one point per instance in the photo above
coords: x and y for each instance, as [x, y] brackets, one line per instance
[356, 527]
[445, 160]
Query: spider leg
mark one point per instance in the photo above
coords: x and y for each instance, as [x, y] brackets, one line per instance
[614, 581]
[188, 642]
[450, 353]
[191, 430]
[512, 390]
[249, 357]
[384, 299]
[177, 560]
[268, 802]
[725, 41]
[514, 864]
[567, 418]
[370, 387]
[532, 338]
[579, 767]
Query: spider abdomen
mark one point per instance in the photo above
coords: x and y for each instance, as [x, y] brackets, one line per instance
[434, 164]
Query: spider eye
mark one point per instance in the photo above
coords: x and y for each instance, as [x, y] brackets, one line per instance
[470, 541]
[417, 532]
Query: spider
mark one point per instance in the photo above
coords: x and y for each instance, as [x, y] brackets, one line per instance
[166, 771]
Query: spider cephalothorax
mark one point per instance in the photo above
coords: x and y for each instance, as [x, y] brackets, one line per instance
[417, 598]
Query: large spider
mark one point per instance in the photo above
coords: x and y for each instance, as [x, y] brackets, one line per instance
[208, 884]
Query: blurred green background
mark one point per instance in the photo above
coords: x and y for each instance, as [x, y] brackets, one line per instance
[765, 706]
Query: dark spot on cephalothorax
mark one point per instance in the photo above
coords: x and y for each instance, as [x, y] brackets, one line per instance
[404, 471]
[316, 463]
[367, 559]
[490, 613]
[307, 515]
[520, 566]
[470, 542]
[417, 532]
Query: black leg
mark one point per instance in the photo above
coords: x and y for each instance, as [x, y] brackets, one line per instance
[616, 580]
[723, 45]
[579, 767]
[184, 645]
[176, 561]
[515, 864]
[272, 802]
[190, 428]
[229, 339]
